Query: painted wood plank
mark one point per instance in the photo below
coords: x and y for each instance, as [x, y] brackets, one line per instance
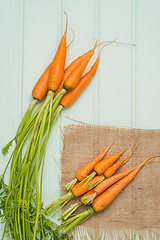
[146, 74]
[81, 20]
[10, 74]
[115, 65]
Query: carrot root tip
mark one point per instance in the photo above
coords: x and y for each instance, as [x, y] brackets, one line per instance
[69, 185]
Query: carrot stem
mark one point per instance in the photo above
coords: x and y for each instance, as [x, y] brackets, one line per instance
[58, 201]
[70, 210]
[92, 185]
[88, 179]
[69, 185]
[81, 217]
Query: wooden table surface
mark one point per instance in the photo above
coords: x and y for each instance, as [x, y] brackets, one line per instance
[125, 90]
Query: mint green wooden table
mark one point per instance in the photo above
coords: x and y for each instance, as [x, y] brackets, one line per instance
[125, 90]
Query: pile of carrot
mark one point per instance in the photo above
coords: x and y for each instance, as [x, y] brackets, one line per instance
[21, 199]
[99, 188]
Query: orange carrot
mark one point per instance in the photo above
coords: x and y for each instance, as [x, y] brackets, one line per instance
[41, 88]
[110, 194]
[58, 63]
[78, 189]
[101, 167]
[74, 77]
[113, 168]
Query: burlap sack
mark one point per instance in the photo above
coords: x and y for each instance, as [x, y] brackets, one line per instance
[136, 210]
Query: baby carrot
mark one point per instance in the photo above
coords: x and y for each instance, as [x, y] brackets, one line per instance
[89, 196]
[79, 190]
[57, 66]
[101, 167]
[41, 88]
[74, 77]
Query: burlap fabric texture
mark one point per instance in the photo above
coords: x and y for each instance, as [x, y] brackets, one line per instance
[136, 210]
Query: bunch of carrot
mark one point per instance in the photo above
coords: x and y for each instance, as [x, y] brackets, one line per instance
[99, 190]
[57, 88]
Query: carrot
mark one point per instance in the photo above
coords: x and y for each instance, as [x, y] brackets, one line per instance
[41, 88]
[74, 77]
[101, 167]
[78, 189]
[84, 171]
[57, 66]
[113, 168]
[103, 200]
[71, 96]
[102, 184]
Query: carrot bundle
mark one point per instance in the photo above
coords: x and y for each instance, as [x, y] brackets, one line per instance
[102, 184]
[104, 199]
